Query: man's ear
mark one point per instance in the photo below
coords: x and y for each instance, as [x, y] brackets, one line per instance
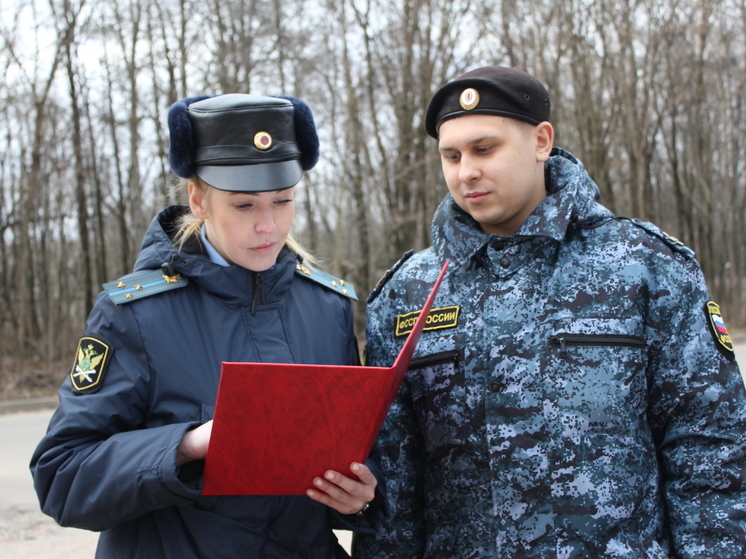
[197, 200]
[544, 141]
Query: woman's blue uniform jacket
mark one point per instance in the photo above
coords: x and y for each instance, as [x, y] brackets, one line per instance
[107, 461]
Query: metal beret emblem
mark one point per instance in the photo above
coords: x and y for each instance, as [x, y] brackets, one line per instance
[262, 140]
[469, 98]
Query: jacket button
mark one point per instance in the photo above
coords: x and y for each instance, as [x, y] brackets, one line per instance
[504, 262]
[497, 387]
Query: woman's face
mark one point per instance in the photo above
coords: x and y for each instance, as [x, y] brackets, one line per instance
[247, 228]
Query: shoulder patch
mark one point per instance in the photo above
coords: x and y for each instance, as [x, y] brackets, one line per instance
[142, 284]
[670, 240]
[723, 341]
[387, 276]
[91, 359]
[329, 281]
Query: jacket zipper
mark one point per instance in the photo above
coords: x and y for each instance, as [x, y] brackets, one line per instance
[257, 281]
[441, 358]
[564, 340]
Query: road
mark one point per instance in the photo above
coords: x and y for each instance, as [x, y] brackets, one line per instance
[26, 533]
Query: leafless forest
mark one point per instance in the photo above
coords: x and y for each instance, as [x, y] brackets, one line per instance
[649, 94]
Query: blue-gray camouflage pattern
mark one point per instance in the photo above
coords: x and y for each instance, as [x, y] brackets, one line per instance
[581, 407]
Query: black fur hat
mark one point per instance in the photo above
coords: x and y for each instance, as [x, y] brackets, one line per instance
[243, 143]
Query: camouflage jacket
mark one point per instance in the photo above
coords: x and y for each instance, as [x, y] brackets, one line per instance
[568, 399]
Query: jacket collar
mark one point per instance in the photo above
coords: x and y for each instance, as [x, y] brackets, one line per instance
[233, 284]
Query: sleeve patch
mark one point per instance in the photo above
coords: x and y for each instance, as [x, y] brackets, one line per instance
[91, 359]
[723, 341]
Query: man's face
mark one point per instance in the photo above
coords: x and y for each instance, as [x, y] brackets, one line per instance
[494, 168]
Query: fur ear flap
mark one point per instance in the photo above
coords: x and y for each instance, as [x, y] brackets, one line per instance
[181, 148]
[305, 132]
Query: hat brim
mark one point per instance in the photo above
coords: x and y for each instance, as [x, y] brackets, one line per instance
[262, 177]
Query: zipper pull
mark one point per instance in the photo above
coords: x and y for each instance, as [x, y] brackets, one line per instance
[257, 300]
[561, 341]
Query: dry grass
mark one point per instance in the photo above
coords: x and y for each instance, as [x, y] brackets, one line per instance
[37, 379]
[30, 379]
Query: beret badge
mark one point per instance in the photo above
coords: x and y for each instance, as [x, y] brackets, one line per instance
[469, 99]
[262, 140]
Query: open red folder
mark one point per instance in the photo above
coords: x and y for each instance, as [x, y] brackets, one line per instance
[277, 426]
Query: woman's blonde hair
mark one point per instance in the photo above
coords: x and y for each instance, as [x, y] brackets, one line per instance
[189, 226]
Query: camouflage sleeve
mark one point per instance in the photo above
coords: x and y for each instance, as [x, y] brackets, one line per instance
[698, 414]
[399, 453]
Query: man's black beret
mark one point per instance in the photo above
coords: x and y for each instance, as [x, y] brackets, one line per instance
[491, 90]
[243, 143]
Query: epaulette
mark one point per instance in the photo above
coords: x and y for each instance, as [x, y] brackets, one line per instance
[329, 281]
[142, 284]
[671, 241]
[387, 276]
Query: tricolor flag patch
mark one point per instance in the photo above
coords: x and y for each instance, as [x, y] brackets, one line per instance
[717, 325]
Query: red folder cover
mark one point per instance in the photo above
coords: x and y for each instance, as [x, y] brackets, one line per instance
[277, 426]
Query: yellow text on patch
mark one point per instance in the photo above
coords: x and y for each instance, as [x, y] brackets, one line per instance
[438, 319]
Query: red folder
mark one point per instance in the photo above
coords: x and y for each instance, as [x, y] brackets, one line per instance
[277, 426]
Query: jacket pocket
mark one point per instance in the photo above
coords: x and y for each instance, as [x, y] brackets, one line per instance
[440, 398]
[441, 358]
[563, 340]
[612, 480]
[595, 375]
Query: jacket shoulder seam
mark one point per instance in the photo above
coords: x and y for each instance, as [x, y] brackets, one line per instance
[388, 275]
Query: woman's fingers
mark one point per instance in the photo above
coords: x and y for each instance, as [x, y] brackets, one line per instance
[343, 493]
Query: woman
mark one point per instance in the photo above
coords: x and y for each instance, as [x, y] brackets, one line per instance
[221, 280]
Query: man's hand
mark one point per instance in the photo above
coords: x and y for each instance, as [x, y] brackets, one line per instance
[344, 494]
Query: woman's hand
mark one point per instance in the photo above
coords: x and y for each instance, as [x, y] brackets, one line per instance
[344, 494]
[194, 444]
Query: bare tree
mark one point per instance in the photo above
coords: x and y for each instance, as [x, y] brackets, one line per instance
[69, 15]
[31, 193]
[649, 94]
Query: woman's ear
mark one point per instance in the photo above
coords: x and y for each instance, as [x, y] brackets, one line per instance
[544, 140]
[197, 200]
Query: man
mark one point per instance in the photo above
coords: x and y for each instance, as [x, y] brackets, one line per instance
[575, 393]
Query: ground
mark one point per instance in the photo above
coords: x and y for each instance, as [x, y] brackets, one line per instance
[37, 379]
[31, 379]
